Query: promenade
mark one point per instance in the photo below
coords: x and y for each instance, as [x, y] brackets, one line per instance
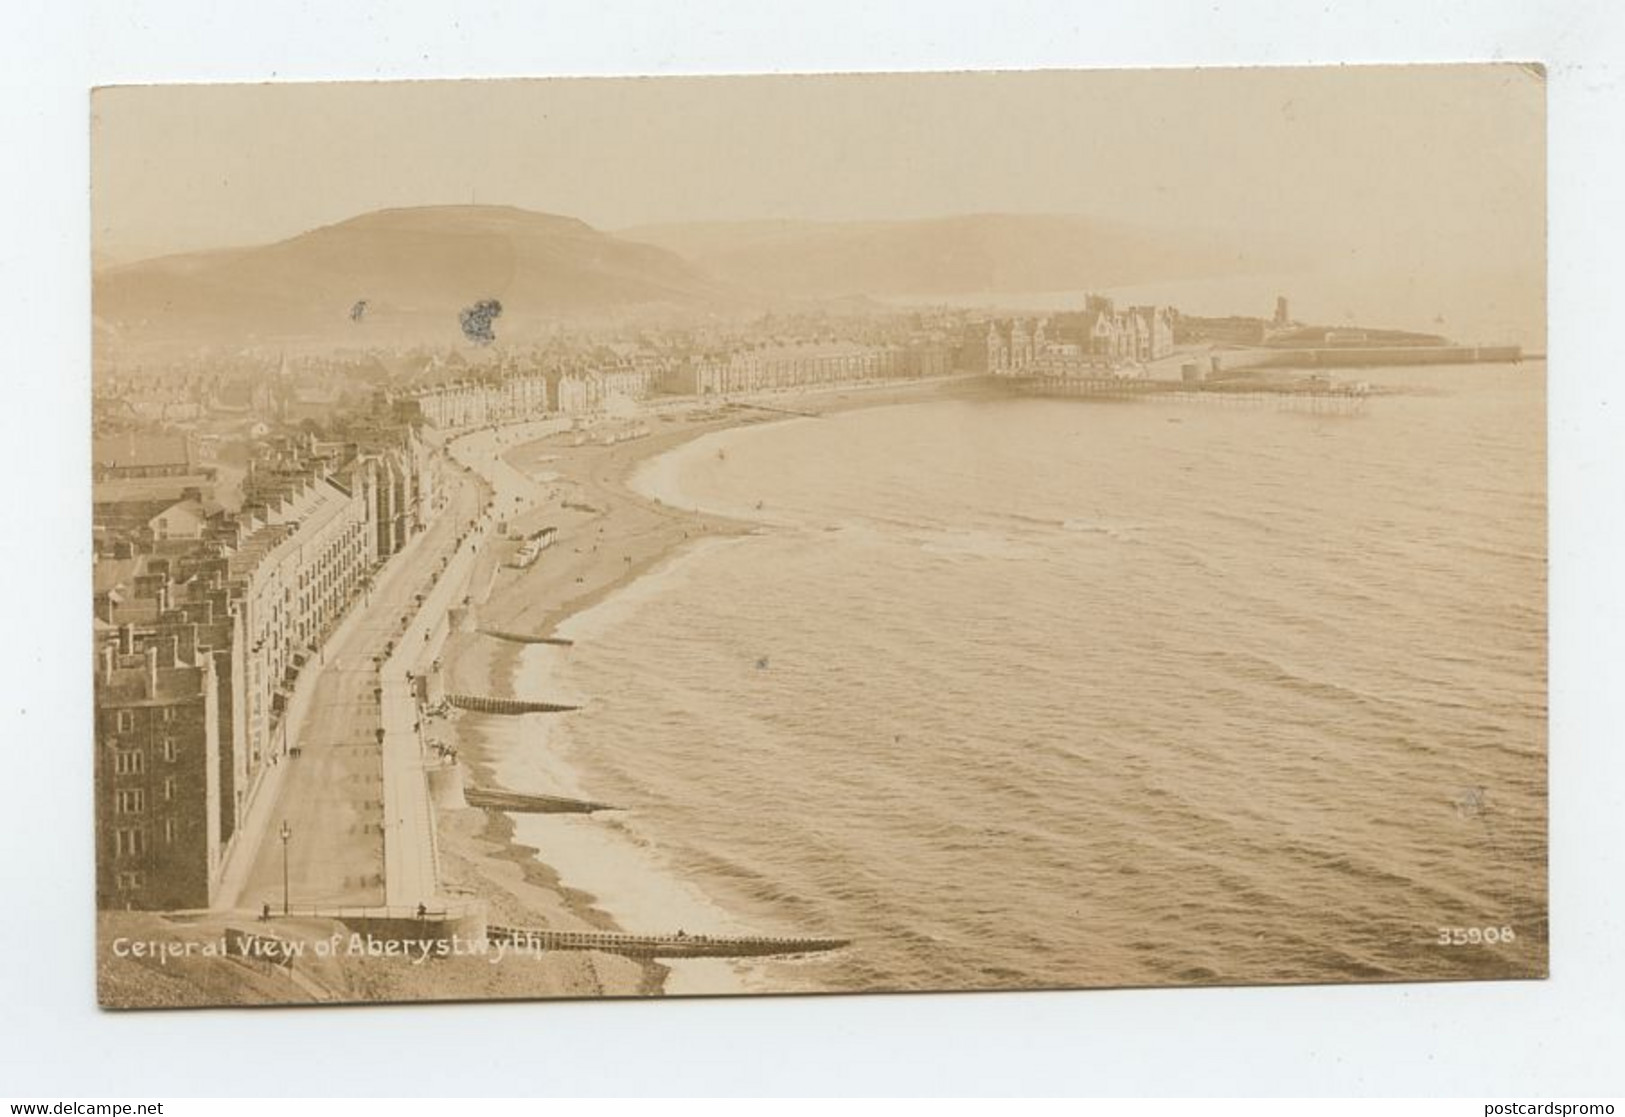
[411, 859]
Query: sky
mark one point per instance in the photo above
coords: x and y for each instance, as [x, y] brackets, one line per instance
[1426, 175]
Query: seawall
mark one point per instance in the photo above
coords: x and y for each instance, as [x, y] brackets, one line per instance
[1370, 357]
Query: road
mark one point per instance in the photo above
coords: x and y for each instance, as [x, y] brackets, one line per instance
[331, 796]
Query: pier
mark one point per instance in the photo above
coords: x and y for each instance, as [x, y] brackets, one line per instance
[1312, 394]
[679, 945]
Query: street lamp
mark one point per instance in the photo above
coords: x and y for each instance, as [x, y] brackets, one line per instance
[287, 833]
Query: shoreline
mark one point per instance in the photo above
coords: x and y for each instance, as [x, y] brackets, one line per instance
[488, 856]
[626, 544]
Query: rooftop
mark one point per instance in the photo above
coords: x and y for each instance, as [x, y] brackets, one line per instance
[120, 490]
[311, 509]
[129, 683]
[140, 451]
[111, 574]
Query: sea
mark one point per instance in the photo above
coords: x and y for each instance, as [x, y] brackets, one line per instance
[1026, 693]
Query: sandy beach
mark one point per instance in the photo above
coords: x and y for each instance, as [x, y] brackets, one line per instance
[608, 537]
[538, 871]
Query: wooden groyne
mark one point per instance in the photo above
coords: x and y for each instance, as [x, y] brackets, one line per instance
[482, 704]
[521, 803]
[679, 945]
[522, 638]
[782, 410]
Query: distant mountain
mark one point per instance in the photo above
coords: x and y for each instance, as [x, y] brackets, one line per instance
[405, 276]
[415, 270]
[975, 253]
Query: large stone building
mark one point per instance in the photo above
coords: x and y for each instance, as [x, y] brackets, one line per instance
[187, 614]
[1098, 339]
[157, 767]
[1003, 349]
[1130, 335]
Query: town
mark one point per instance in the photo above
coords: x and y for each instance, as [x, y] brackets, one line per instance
[245, 503]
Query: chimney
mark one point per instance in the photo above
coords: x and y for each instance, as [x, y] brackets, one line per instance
[126, 636]
[105, 656]
[152, 670]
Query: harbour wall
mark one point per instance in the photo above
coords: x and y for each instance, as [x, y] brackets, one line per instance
[1368, 357]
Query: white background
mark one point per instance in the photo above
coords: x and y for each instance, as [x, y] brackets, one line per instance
[1526, 1040]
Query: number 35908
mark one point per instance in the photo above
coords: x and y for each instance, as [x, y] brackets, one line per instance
[1475, 936]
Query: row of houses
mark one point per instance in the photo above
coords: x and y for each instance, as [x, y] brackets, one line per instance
[205, 618]
[276, 391]
[473, 403]
[515, 395]
[808, 364]
[509, 394]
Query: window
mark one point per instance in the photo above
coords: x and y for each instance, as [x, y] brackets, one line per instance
[129, 882]
[126, 720]
[130, 842]
[169, 789]
[169, 831]
[130, 800]
[169, 713]
[129, 762]
[169, 749]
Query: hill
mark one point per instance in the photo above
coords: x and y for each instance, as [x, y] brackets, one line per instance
[415, 270]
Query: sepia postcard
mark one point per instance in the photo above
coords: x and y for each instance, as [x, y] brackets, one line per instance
[628, 537]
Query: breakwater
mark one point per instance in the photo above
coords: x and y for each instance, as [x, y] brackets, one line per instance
[1372, 356]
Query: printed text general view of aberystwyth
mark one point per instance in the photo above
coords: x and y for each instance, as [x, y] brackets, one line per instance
[636, 537]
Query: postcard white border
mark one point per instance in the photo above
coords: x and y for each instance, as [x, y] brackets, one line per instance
[1521, 1039]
